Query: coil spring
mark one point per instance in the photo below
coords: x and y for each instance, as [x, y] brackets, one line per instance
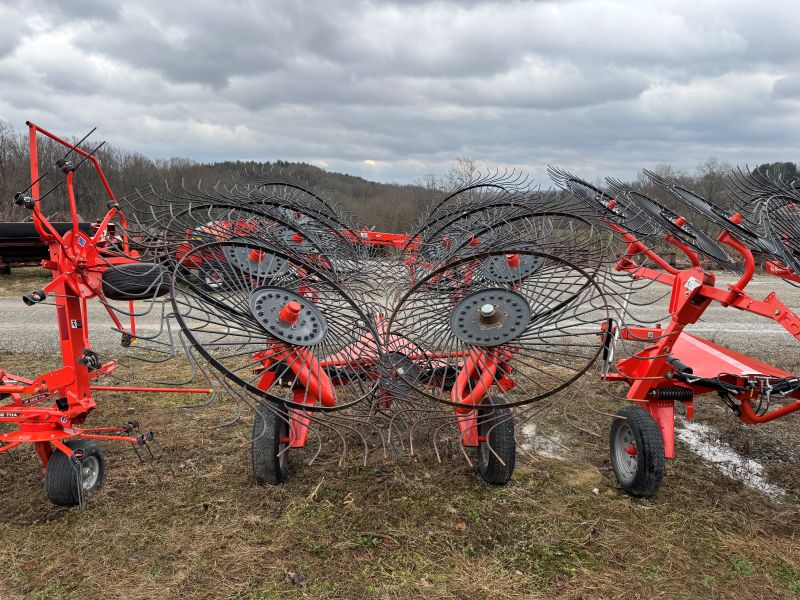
[672, 393]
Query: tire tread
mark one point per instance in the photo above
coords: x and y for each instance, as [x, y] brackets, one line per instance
[502, 441]
[650, 445]
[61, 483]
[135, 281]
[265, 445]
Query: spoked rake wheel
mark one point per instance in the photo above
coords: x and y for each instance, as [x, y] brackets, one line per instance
[782, 216]
[285, 333]
[511, 328]
[608, 207]
[535, 326]
[518, 328]
[282, 331]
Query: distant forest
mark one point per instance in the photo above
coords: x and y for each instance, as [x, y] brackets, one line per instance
[386, 206]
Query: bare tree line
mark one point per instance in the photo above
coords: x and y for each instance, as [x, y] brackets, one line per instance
[387, 206]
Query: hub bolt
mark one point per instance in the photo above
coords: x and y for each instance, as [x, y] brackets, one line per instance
[289, 312]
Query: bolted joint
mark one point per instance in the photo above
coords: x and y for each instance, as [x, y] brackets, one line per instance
[90, 360]
[512, 260]
[289, 312]
[256, 255]
[34, 297]
[21, 199]
[145, 438]
[489, 315]
[65, 165]
[131, 426]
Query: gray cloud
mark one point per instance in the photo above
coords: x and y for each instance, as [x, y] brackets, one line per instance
[601, 86]
[787, 87]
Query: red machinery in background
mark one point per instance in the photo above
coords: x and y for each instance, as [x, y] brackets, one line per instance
[370, 237]
[677, 366]
[50, 409]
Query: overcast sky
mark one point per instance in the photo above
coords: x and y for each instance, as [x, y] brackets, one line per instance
[394, 90]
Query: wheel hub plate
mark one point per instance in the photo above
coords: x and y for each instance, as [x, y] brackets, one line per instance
[295, 241]
[490, 317]
[496, 268]
[256, 261]
[309, 328]
[396, 369]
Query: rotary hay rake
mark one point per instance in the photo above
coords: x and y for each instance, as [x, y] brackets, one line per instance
[283, 297]
[49, 411]
[279, 244]
[506, 284]
[676, 366]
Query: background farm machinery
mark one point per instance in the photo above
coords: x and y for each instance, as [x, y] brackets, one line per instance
[676, 366]
[49, 411]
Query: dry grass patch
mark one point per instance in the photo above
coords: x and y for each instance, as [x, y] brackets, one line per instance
[23, 280]
[397, 528]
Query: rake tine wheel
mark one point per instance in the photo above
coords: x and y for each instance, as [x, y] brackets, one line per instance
[498, 330]
[284, 332]
[286, 314]
[475, 311]
[773, 204]
[673, 224]
[274, 231]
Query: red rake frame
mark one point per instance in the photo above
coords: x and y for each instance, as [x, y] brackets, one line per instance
[77, 262]
[657, 376]
[315, 386]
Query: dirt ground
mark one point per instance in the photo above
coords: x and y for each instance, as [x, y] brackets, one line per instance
[405, 526]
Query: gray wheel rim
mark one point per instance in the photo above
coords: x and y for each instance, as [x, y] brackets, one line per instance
[484, 428]
[90, 472]
[626, 464]
[283, 448]
[484, 453]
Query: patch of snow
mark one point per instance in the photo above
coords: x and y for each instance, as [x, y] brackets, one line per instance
[702, 440]
[548, 446]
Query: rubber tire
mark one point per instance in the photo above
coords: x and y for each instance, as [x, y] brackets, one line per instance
[135, 281]
[649, 472]
[500, 421]
[60, 480]
[269, 425]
